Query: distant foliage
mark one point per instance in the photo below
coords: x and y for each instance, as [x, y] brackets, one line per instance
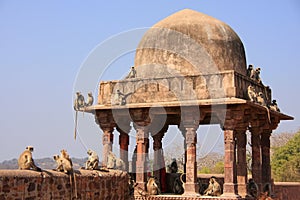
[218, 168]
[204, 170]
[286, 160]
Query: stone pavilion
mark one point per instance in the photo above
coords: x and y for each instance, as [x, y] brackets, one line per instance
[190, 70]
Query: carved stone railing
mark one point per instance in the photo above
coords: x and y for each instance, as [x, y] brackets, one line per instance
[180, 88]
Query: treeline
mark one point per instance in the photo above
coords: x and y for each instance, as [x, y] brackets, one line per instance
[285, 160]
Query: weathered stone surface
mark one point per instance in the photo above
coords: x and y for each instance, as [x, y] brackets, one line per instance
[26, 184]
[189, 43]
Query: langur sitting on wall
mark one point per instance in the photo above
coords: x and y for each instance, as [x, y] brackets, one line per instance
[26, 161]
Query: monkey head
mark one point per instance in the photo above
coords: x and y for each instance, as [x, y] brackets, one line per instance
[90, 94]
[212, 179]
[89, 152]
[56, 157]
[30, 148]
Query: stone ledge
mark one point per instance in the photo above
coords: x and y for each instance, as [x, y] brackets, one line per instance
[49, 184]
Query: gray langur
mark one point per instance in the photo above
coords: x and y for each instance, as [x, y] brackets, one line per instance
[214, 188]
[152, 186]
[93, 160]
[267, 189]
[90, 99]
[178, 186]
[274, 106]
[64, 164]
[251, 94]
[26, 161]
[79, 101]
[131, 185]
[79, 104]
[257, 76]
[120, 98]
[252, 188]
[261, 100]
[173, 167]
[132, 73]
[250, 71]
[114, 163]
[202, 186]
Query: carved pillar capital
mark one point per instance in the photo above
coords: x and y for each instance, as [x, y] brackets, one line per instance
[190, 117]
[105, 119]
[140, 116]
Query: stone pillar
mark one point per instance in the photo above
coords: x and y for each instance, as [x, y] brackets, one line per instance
[241, 141]
[142, 140]
[190, 117]
[158, 162]
[266, 163]
[191, 186]
[230, 169]
[183, 132]
[256, 156]
[106, 122]
[124, 142]
[107, 141]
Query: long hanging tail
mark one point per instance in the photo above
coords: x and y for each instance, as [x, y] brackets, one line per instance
[75, 185]
[75, 131]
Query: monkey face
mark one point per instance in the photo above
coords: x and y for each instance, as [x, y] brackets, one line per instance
[56, 157]
[30, 148]
[89, 152]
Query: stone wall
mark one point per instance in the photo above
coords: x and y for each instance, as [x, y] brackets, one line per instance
[179, 89]
[30, 185]
[287, 190]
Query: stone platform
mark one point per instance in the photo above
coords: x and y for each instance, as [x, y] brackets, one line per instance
[182, 197]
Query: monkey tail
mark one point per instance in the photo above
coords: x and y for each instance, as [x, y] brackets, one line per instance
[76, 118]
[71, 183]
[75, 185]
[268, 112]
[181, 178]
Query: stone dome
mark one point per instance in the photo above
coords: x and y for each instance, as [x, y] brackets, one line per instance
[189, 43]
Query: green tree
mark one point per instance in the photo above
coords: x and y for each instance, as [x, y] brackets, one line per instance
[286, 160]
[204, 170]
[218, 168]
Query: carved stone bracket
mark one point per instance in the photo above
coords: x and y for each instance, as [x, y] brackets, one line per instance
[140, 115]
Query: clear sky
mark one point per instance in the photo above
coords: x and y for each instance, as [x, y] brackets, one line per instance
[44, 44]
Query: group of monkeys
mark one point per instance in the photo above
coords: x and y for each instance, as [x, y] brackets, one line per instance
[212, 189]
[65, 165]
[259, 97]
[64, 162]
[79, 102]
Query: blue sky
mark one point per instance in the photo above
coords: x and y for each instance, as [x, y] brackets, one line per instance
[44, 44]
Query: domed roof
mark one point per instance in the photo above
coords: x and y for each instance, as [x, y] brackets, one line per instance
[189, 43]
